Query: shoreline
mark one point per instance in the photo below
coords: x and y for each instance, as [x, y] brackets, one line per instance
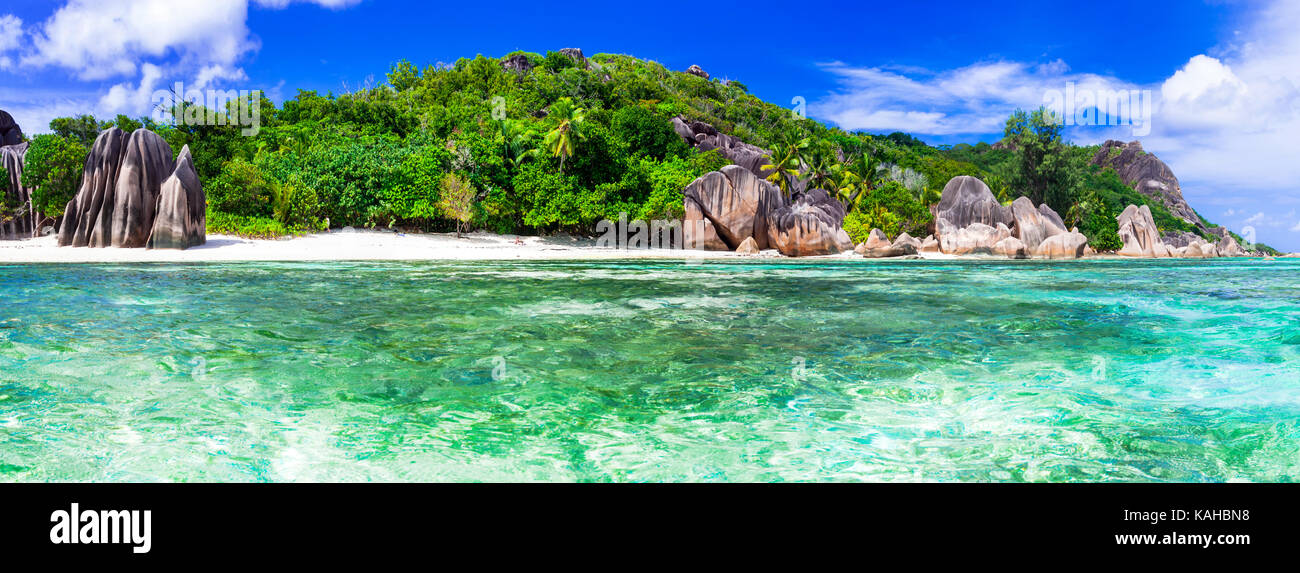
[368, 245]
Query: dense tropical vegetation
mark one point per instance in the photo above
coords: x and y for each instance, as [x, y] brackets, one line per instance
[558, 147]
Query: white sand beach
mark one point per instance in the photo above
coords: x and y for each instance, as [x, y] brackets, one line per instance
[358, 245]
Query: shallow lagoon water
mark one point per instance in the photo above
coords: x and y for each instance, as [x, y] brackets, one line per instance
[652, 371]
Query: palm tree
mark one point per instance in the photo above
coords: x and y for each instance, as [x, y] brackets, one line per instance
[824, 171]
[860, 177]
[785, 162]
[562, 140]
[518, 140]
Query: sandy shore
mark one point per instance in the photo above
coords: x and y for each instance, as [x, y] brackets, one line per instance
[364, 245]
[359, 245]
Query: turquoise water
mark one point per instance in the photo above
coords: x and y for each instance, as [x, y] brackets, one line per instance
[651, 371]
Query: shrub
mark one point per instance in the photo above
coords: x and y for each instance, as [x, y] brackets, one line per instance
[647, 134]
[254, 227]
[242, 189]
[456, 200]
[53, 169]
[296, 205]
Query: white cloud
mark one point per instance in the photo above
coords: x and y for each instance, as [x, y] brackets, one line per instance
[154, 42]
[975, 99]
[11, 36]
[1225, 121]
[98, 39]
[125, 99]
[1296, 228]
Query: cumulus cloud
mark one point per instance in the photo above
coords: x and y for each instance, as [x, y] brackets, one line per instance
[11, 35]
[147, 43]
[99, 39]
[975, 99]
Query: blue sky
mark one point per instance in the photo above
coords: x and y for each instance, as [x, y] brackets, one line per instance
[1223, 74]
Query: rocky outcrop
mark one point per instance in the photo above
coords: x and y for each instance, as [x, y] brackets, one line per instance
[119, 199]
[809, 226]
[877, 246]
[10, 133]
[1142, 239]
[22, 221]
[1148, 175]
[748, 247]
[697, 71]
[976, 239]
[1138, 231]
[517, 63]
[698, 231]
[1228, 247]
[146, 163]
[907, 245]
[181, 220]
[735, 202]
[88, 218]
[970, 221]
[967, 200]
[1068, 245]
[576, 55]
[705, 137]
[930, 245]
[1034, 225]
[1012, 248]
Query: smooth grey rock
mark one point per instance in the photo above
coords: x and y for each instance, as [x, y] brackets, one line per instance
[146, 163]
[1140, 235]
[1011, 248]
[736, 202]
[1228, 247]
[88, 218]
[811, 225]
[748, 247]
[181, 221]
[1034, 225]
[967, 200]
[1071, 245]
[25, 221]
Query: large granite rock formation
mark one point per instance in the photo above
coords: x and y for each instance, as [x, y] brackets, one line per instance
[1148, 175]
[181, 221]
[1228, 247]
[967, 200]
[119, 199]
[697, 71]
[735, 204]
[146, 163]
[10, 133]
[809, 226]
[23, 221]
[1034, 225]
[1142, 239]
[969, 220]
[88, 218]
[705, 137]
[1068, 245]
[1140, 235]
